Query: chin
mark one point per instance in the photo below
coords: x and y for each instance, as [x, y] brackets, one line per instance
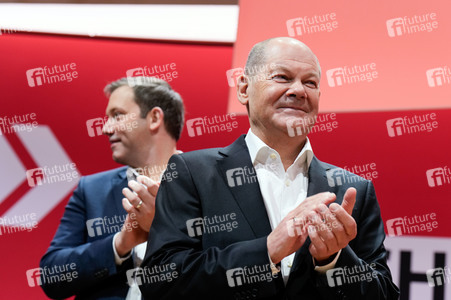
[119, 159]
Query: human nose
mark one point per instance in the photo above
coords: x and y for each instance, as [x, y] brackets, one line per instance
[297, 90]
[108, 128]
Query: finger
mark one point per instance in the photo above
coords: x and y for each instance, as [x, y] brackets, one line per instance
[334, 224]
[327, 197]
[324, 231]
[300, 213]
[346, 220]
[296, 227]
[323, 211]
[317, 245]
[131, 196]
[329, 220]
[127, 206]
[136, 187]
[349, 200]
[142, 194]
[152, 186]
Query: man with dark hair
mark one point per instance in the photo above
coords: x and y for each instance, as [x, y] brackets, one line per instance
[102, 235]
[263, 218]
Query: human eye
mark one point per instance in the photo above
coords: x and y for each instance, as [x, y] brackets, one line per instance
[279, 77]
[311, 84]
[118, 116]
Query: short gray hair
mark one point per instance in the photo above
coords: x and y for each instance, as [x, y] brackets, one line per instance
[257, 55]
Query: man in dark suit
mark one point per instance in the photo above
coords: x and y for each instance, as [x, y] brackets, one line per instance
[264, 218]
[102, 235]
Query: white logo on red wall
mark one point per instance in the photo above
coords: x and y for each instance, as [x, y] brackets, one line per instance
[45, 150]
[35, 176]
[95, 126]
[438, 176]
[232, 76]
[438, 76]
[35, 77]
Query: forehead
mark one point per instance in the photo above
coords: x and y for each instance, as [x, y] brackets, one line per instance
[122, 97]
[290, 54]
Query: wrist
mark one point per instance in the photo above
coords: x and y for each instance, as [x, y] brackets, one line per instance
[122, 248]
[273, 257]
[325, 261]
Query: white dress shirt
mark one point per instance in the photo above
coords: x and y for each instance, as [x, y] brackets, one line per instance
[282, 190]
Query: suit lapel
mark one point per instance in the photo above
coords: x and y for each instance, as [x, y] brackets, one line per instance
[317, 178]
[239, 174]
[118, 182]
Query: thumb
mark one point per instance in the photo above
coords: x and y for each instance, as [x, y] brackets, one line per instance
[349, 200]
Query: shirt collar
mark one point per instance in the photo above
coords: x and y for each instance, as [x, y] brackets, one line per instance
[259, 151]
[132, 173]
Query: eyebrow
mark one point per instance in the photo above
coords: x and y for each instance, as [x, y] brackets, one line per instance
[283, 68]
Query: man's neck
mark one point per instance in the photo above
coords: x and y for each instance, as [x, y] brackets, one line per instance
[287, 147]
[157, 160]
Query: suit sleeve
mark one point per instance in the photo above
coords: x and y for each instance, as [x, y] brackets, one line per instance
[362, 266]
[201, 271]
[93, 261]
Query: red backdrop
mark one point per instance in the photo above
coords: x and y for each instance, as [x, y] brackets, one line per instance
[358, 139]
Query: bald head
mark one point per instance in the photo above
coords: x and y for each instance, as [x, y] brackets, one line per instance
[258, 54]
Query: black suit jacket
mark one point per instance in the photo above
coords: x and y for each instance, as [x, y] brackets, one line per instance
[210, 265]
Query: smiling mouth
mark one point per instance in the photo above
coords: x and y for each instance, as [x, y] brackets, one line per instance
[292, 108]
